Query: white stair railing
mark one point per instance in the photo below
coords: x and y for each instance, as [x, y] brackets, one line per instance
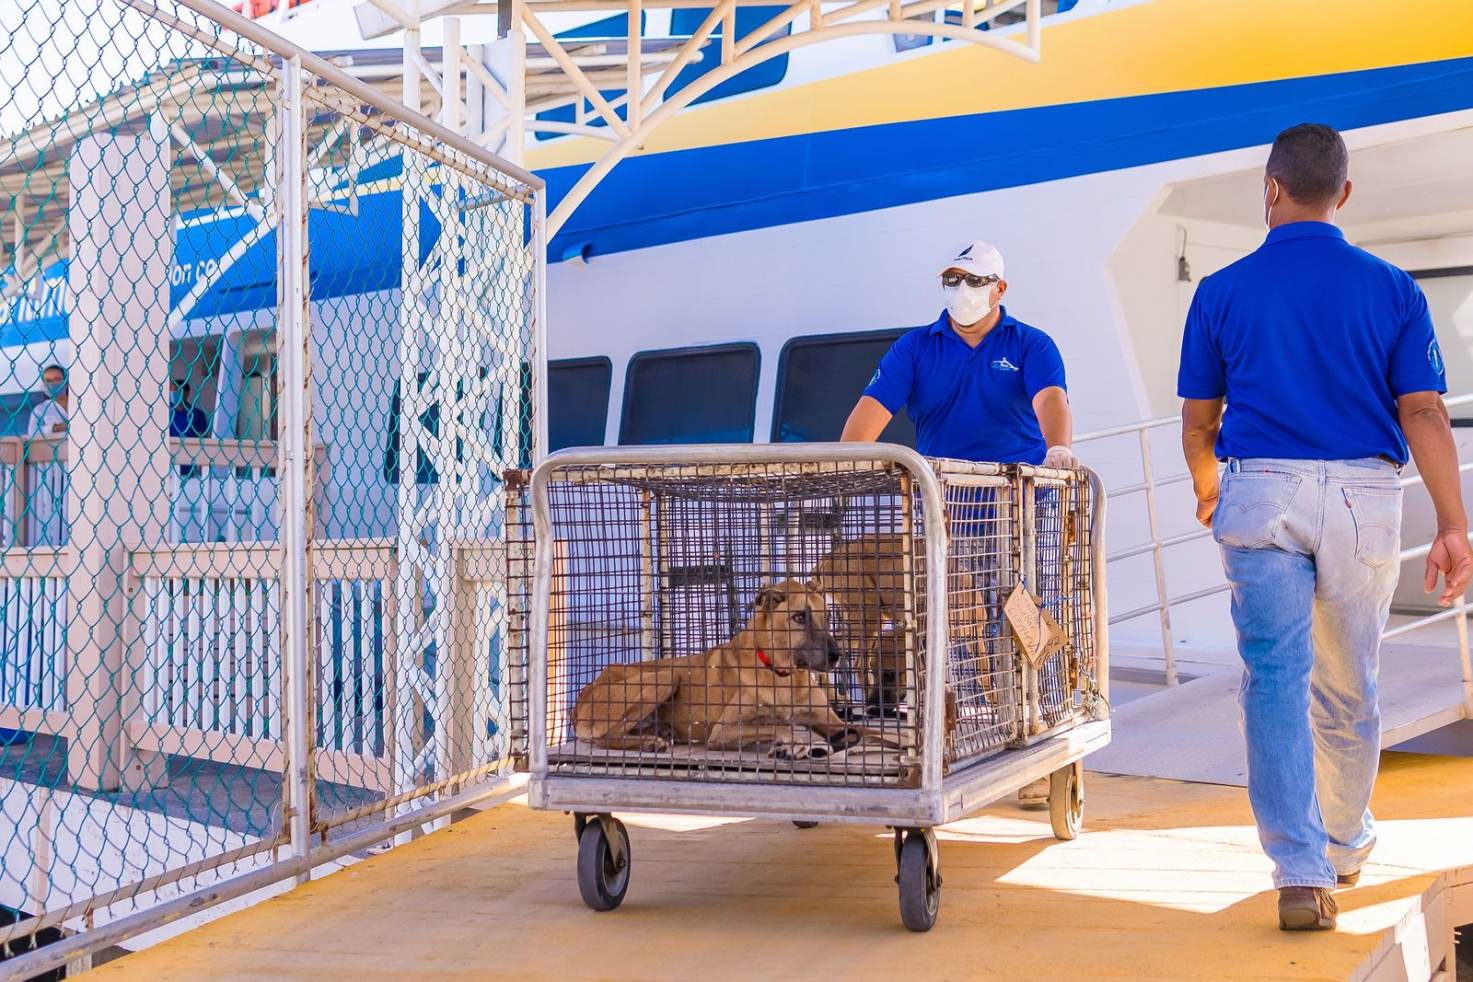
[1157, 545]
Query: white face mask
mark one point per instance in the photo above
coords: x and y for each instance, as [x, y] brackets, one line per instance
[967, 304]
[1268, 203]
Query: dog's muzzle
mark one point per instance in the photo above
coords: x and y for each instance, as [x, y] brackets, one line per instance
[821, 654]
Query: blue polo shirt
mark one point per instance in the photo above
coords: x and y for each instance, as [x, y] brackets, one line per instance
[1311, 341]
[971, 403]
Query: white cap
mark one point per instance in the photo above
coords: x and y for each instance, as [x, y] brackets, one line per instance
[977, 258]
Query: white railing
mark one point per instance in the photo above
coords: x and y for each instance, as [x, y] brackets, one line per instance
[208, 631]
[1157, 545]
[218, 490]
[33, 619]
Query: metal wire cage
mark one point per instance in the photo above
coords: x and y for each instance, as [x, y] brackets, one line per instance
[703, 620]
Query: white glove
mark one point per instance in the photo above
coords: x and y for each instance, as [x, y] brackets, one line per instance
[1061, 458]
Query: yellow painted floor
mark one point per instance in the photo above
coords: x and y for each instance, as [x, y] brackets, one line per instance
[1167, 882]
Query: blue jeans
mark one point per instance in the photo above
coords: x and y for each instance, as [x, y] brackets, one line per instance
[1311, 551]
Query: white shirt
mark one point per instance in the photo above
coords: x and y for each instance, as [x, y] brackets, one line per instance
[46, 415]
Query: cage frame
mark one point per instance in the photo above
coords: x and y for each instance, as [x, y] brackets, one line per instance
[940, 796]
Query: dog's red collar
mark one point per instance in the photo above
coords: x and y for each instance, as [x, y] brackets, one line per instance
[762, 657]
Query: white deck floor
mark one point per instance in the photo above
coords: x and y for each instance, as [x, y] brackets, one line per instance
[1191, 732]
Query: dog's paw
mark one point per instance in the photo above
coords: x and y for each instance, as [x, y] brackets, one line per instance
[788, 750]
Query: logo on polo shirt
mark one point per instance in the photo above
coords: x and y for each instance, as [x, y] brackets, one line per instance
[1003, 365]
[1434, 356]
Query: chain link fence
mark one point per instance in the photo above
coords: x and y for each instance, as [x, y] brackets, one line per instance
[268, 344]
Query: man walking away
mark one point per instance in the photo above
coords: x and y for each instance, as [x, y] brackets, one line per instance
[1328, 363]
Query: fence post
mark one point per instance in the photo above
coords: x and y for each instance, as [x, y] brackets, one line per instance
[468, 671]
[294, 377]
[20, 491]
[116, 498]
[1158, 560]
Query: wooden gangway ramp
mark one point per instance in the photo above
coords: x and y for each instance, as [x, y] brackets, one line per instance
[1167, 882]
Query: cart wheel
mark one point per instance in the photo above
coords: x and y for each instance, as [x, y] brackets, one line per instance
[919, 879]
[1066, 800]
[580, 822]
[806, 825]
[603, 863]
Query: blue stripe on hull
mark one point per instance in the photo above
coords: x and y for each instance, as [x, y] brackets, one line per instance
[672, 197]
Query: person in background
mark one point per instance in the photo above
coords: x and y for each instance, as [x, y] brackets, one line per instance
[49, 417]
[1330, 369]
[979, 384]
[185, 418]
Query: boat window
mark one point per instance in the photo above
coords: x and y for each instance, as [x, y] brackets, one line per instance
[610, 27]
[256, 419]
[691, 395]
[821, 377]
[909, 42]
[15, 412]
[1450, 301]
[578, 402]
[195, 362]
[686, 21]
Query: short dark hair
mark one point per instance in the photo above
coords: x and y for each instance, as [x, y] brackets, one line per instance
[50, 367]
[1310, 162]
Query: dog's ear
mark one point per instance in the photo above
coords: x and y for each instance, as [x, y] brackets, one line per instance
[768, 598]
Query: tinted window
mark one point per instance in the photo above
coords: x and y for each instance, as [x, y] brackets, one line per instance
[578, 402]
[692, 395]
[819, 379]
[610, 27]
[748, 19]
[909, 42]
[1450, 302]
[15, 412]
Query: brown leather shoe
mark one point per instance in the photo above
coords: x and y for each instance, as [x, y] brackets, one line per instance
[1306, 909]
[1347, 879]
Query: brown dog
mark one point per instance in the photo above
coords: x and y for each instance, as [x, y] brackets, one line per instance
[865, 577]
[757, 690]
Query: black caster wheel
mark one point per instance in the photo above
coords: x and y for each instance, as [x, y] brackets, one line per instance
[1066, 800]
[919, 878]
[603, 863]
[580, 822]
[806, 825]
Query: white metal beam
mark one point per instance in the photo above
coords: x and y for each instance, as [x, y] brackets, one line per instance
[574, 72]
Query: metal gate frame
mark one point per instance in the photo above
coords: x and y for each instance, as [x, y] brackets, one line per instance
[295, 855]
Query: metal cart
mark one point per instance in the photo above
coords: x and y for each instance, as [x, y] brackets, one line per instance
[649, 574]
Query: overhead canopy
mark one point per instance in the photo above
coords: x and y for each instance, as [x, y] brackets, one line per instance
[219, 114]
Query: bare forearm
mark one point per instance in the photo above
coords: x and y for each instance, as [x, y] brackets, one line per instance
[1055, 418]
[1200, 421]
[866, 422]
[1430, 436]
[1198, 444]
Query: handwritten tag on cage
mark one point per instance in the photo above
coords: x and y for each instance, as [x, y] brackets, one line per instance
[1034, 628]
